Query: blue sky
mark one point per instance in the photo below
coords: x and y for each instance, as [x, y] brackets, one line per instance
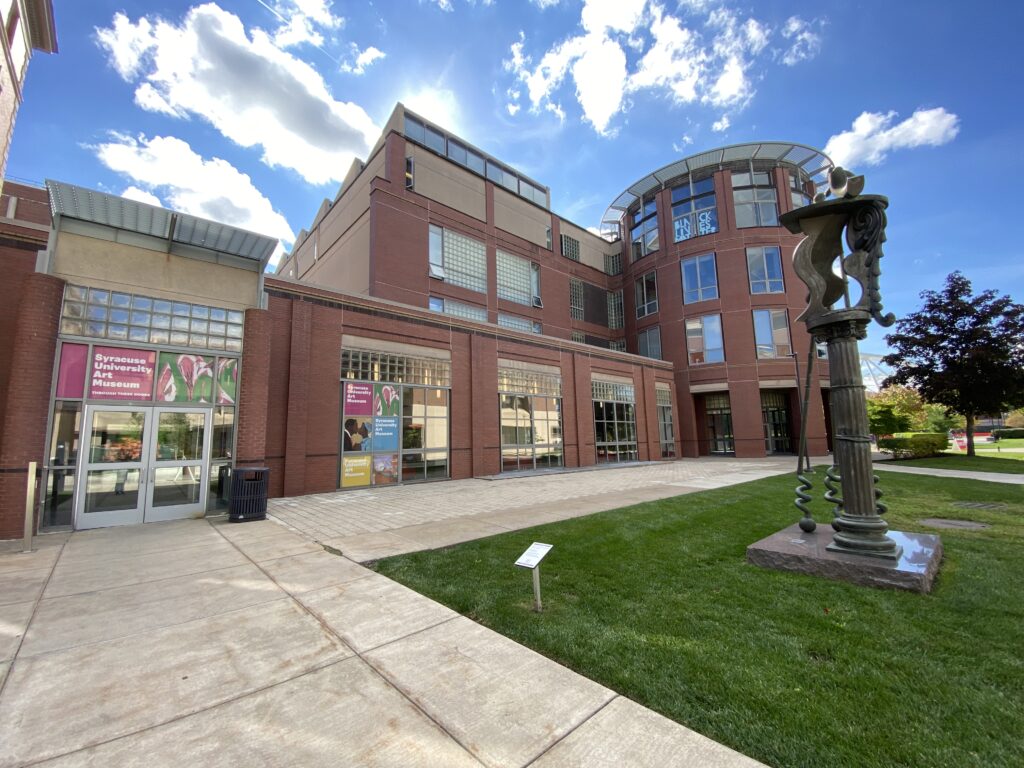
[250, 111]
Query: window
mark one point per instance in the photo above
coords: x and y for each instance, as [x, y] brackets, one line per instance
[458, 309]
[579, 337]
[457, 259]
[648, 342]
[764, 266]
[414, 129]
[646, 295]
[644, 234]
[771, 333]
[614, 421]
[518, 280]
[505, 178]
[409, 173]
[616, 315]
[570, 247]
[575, 298]
[617, 345]
[753, 197]
[517, 323]
[719, 424]
[457, 152]
[700, 280]
[613, 263]
[775, 418]
[704, 340]
[666, 432]
[434, 140]
[530, 418]
[798, 190]
[694, 209]
[534, 193]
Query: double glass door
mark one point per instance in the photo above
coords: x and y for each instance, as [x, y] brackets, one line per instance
[142, 464]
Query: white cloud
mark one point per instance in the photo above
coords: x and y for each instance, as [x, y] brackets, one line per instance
[722, 124]
[213, 189]
[545, 4]
[710, 60]
[873, 135]
[806, 42]
[142, 196]
[445, 5]
[250, 90]
[361, 59]
[302, 22]
[684, 142]
[512, 108]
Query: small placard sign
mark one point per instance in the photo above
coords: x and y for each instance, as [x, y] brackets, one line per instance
[531, 557]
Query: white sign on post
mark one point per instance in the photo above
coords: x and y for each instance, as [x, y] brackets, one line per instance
[531, 557]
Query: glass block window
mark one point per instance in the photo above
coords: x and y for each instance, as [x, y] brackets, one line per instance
[753, 196]
[575, 298]
[700, 279]
[613, 263]
[764, 266]
[612, 390]
[704, 340]
[663, 397]
[518, 279]
[457, 259]
[646, 289]
[616, 314]
[580, 338]
[771, 333]
[458, 309]
[644, 236]
[529, 382]
[617, 345]
[649, 342]
[694, 211]
[519, 323]
[570, 247]
[103, 314]
[371, 365]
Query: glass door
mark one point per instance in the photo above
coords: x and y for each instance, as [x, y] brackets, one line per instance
[178, 459]
[112, 484]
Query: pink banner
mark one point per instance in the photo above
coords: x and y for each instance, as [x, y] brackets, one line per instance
[71, 373]
[122, 374]
[358, 399]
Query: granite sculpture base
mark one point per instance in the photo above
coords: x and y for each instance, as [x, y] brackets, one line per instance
[793, 550]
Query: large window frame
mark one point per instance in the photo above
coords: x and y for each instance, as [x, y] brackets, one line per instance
[614, 422]
[700, 278]
[754, 198]
[518, 279]
[764, 269]
[648, 342]
[711, 347]
[771, 333]
[646, 294]
[666, 427]
[644, 236]
[694, 209]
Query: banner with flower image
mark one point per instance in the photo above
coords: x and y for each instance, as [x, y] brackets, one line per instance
[227, 380]
[184, 378]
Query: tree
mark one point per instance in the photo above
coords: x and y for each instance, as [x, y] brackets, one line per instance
[939, 419]
[1016, 419]
[962, 351]
[904, 403]
[884, 421]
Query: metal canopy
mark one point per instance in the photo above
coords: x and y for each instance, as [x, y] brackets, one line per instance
[811, 161]
[76, 202]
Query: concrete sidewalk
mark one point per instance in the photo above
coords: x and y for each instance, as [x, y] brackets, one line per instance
[212, 644]
[381, 522]
[988, 477]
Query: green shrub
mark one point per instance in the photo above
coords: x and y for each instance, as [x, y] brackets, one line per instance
[914, 445]
[1007, 432]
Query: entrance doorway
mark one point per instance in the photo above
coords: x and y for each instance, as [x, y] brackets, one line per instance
[142, 464]
[775, 418]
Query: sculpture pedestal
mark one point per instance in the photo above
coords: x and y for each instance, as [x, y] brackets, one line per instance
[794, 550]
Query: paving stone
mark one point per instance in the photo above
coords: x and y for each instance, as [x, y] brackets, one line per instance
[341, 716]
[313, 570]
[105, 690]
[627, 734]
[373, 611]
[502, 701]
[65, 622]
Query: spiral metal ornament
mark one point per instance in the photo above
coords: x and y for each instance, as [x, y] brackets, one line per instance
[833, 485]
[807, 524]
[879, 506]
[865, 233]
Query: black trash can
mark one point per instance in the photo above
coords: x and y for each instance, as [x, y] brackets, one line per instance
[248, 494]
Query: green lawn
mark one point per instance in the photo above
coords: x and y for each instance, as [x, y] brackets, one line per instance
[657, 602]
[1009, 463]
[1009, 442]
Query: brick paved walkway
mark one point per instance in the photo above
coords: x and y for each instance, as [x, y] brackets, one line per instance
[379, 522]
